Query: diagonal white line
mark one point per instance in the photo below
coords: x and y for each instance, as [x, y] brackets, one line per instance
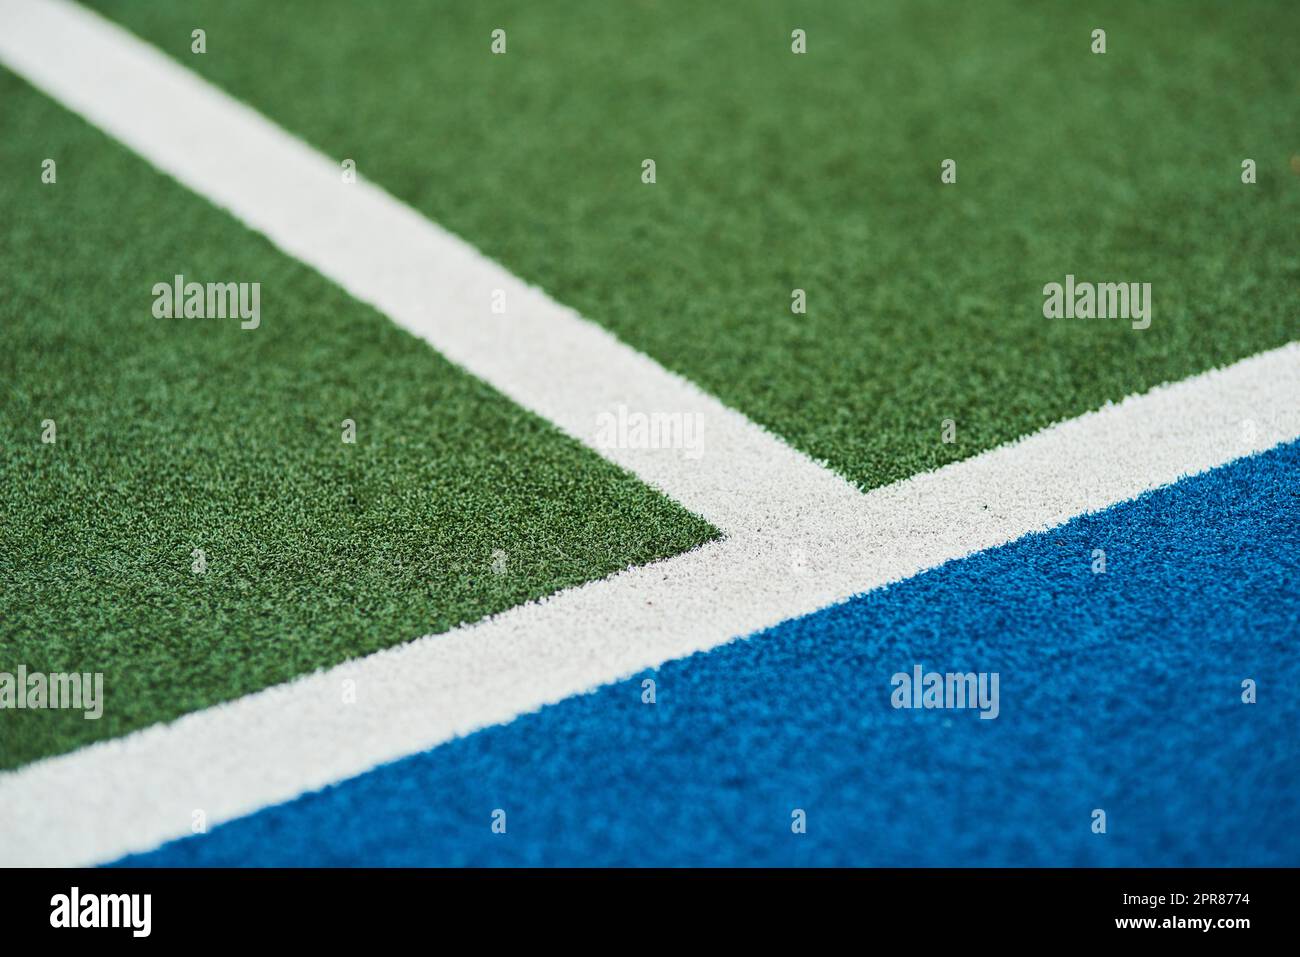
[774, 503]
[542, 354]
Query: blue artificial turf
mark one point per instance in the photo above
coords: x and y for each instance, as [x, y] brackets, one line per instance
[1119, 691]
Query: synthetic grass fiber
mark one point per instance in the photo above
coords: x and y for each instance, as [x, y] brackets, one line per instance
[183, 434]
[821, 172]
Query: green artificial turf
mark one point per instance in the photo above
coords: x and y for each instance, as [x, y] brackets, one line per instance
[173, 435]
[821, 172]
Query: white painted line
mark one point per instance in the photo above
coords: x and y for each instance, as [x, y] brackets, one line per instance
[775, 504]
[133, 793]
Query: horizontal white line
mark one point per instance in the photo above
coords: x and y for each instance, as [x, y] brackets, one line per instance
[798, 537]
[133, 793]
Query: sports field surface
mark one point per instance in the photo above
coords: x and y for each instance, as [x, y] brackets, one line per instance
[391, 563]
